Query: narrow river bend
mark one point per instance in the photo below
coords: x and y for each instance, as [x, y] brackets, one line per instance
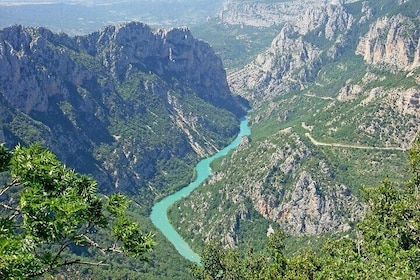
[159, 215]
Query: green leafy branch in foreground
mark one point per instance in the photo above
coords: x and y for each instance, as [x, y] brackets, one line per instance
[47, 208]
[386, 246]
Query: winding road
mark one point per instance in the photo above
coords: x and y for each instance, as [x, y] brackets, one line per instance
[339, 145]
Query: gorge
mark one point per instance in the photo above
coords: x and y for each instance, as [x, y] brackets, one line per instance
[334, 88]
[202, 172]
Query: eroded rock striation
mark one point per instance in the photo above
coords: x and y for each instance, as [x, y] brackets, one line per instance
[292, 60]
[128, 104]
[393, 41]
[269, 13]
[275, 180]
[335, 105]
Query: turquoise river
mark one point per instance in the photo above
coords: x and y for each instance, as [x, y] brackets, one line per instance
[159, 211]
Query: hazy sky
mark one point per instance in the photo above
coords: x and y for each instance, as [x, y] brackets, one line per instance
[85, 2]
[84, 16]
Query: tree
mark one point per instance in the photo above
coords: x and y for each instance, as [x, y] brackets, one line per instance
[47, 208]
[388, 238]
[218, 262]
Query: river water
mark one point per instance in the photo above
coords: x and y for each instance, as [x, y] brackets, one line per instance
[159, 211]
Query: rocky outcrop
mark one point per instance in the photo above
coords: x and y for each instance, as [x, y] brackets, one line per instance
[288, 61]
[399, 106]
[125, 104]
[309, 203]
[332, 19]
[323, 34]
[292, 60]
[392, 41]
[277, 180]
[169, 53]
[261, 14]
[357, 118]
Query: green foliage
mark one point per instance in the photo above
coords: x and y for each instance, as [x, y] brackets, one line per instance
[57, 209]
[237, 45]
[414, 161]
[386, 246]
[388, 243]
[28, 130]
[224, 263]
[5, 157]
[117, 204]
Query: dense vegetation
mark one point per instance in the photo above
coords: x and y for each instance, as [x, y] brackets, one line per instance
[133, 133]
[373, 133]
[49, 210]
[237, 45]
[386, 244]
[139, 118]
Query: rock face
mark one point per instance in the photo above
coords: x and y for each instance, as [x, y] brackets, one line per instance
[331, 19]
[167, 53]
[263, 14]
[323, 34]
[121, 103]
[335, 101]
[395, 122]
[278, 181]
[308, 203]
[279, 68]
[393, 41]
[292, 60]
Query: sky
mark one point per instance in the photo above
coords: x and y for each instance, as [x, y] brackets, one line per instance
[86, 2]
[78, 17]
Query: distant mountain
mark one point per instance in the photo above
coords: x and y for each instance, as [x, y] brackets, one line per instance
[266, 13]
[132, 106]
[335, 103]
[83, 17]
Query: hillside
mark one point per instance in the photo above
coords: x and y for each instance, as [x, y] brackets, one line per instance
[133, 107]
[124, 104]
[335, 102]
[334, 88]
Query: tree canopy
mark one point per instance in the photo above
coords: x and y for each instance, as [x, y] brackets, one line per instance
[47, 209]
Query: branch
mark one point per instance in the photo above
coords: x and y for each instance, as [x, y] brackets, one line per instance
[66, 263]
[93, 243]
[114, 247]
[5, 189]
[14, 183]
[66, 242]
[8, 207]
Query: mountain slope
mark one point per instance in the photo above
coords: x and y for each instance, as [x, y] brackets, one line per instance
[335, 104]
[132, 106]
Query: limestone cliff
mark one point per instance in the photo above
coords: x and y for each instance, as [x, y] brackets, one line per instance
[132, 106]
[285, 184]
[288, 61]
[335, 106]
[292, 60]
[324, 34]
[268, 13]
[393, 41]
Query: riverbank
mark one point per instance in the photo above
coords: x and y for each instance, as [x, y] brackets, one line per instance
[159, 215]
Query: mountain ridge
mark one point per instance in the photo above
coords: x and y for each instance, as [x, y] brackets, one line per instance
[314, 82]
[81, 96]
